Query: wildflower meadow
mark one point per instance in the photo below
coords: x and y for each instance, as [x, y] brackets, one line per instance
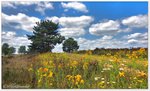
[84, 71]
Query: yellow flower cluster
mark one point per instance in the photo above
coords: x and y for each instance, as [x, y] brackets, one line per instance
[43, 69]
[137, 54]
[74, 64]
[45, 72]
[75, 79]
[141, 50]
[115, 59]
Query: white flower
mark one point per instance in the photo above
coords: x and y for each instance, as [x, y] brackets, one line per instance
[106, 69]
[121, 69]
[102, 81]
[114, 82]
[96, 78]
[102, 78]
[107, 82]
[122, 64]
[102, 71]
[111, 66]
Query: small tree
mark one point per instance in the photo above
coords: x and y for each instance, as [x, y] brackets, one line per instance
[70, 45]
[45, 37]
[22, 49]
[12, 50]
[5, 49]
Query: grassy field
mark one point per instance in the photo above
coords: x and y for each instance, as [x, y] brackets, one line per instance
[70, 70]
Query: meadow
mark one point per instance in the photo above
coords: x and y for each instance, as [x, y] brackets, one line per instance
[123, 70]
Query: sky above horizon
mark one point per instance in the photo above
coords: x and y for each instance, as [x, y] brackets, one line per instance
[91, 24]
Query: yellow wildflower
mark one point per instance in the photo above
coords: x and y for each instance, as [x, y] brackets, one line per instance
[50, 74]
[76, 83]
[78, 77]
[141, 74]
[121, 74]
[74, 63]
[68, 76]
[39, 80]
[45, 69]
[71, 77]
[82, 81]
[44, 75]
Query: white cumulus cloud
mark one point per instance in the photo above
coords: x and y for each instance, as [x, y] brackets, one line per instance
[72, 26]
[81, 21]
[42, 6]
[21, 20]
[137, 36]
[75, 5]
[138, 21]
[39, 5]
[103, 42]
[105, 28]
[137, 39]
[131, 41]
[72, 32]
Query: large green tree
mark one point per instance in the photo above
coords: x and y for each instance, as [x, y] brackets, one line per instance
[45, 37]
[22, 49]
[70, 45]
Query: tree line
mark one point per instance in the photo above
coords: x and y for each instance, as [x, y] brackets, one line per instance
[44, 38]
[7, 50]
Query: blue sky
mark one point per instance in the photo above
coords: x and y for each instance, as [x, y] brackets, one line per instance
[92, 24]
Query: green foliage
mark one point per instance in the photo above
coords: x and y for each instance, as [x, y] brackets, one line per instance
[45, 37]
[6, 50]
[22, 49]
[12, 50]
[70, 45]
